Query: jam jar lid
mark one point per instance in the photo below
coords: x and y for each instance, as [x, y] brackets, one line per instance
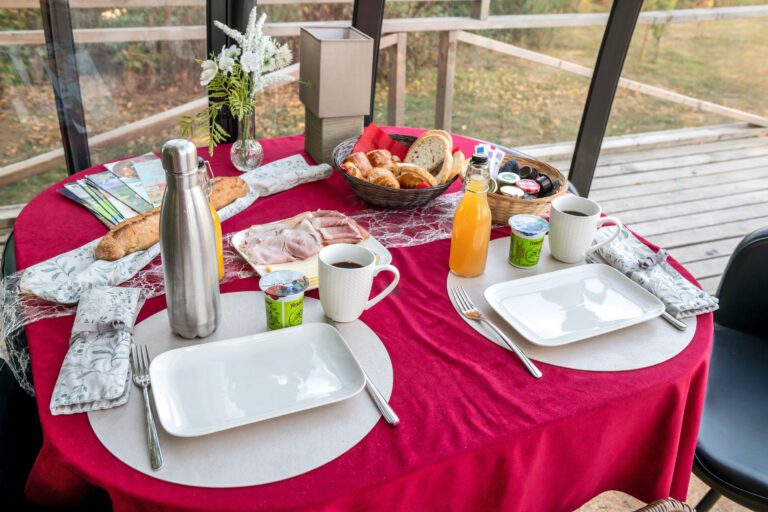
[509, 190]
[528, 186]
[508, 178]
[283, 283]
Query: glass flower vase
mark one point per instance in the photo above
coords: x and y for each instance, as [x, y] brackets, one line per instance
[246, 153]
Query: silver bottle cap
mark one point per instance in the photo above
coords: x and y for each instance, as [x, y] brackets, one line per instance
[179, 156]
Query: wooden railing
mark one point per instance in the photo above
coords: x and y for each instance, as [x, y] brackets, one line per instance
[292, 29]
[453, 30]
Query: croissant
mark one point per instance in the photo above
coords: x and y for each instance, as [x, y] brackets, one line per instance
[379, 157]
[352, 170]
[384, 177]
[411, 176]
[361, 162]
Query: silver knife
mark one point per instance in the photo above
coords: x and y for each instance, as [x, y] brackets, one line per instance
[666, 315]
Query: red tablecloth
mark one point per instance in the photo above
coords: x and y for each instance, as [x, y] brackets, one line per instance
[477, 432]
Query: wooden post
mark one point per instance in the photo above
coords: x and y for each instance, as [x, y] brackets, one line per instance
[396, 86]
[481, 9]
[446, 72]
[602, 90]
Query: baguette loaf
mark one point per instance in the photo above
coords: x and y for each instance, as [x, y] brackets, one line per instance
[135, 234]
[143, 231]
[227, 190]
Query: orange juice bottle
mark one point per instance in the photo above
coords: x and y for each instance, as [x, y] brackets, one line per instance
[472, 222]
[219, 247]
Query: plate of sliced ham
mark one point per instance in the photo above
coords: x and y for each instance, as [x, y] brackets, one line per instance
[295, 242]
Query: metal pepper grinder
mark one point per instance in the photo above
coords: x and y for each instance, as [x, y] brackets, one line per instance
[188, 244]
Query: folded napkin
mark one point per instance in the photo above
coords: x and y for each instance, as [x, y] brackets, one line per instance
[651, 271]
[64, 278]
[375, 138]
[285, 174]
[96, 373]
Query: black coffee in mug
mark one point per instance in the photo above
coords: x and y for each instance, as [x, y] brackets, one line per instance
[347, 264]
[575, 213]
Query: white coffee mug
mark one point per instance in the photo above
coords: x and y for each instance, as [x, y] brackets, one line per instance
[573, 222]
[344, 291]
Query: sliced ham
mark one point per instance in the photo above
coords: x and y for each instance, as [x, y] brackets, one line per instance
[300, 237]
[346, 231]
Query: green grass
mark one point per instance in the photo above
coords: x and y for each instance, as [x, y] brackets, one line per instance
[497, 98]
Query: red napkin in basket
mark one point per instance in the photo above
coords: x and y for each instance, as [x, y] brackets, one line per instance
[375, 138]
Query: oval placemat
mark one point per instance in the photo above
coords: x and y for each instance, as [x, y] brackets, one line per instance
[258, 453]
[631, 348]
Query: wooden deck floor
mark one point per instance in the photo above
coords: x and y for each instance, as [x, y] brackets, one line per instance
[696, 196]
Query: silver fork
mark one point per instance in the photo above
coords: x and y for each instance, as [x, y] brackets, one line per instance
[140, 366]
[468, 309]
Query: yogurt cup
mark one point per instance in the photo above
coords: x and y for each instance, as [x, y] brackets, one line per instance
[526, 240]
[284, 298]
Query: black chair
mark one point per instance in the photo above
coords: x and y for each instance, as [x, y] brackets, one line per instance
[732, 451]
[21, 437]
[19, 424]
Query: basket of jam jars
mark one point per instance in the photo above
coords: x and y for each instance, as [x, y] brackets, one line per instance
[524, 185]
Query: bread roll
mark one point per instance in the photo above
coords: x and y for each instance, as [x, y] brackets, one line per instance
[361, 162]
[379, 157]
[384, 177]
[135, 234]
[411, 176]
[227, 190]
[352, 170]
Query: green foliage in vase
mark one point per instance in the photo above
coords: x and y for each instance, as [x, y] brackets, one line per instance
[235, 76]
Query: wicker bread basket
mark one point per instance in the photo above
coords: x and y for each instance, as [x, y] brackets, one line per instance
[385, 196]
[503, 207]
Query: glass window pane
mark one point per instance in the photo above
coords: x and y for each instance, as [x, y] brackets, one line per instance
[134, 68]
[27, 110]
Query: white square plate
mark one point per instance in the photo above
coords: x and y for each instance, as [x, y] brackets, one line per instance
[224, 384]
[572, 304]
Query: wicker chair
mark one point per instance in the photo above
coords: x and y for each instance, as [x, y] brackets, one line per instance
[668, 505]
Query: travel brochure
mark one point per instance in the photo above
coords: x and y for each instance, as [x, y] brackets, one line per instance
[127, 188]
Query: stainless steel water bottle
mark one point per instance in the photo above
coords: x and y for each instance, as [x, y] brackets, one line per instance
[188, 244]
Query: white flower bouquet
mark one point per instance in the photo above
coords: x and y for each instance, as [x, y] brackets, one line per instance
[236, 75]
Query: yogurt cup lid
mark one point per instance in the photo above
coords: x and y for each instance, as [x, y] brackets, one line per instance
[529, 225]
[283, 283]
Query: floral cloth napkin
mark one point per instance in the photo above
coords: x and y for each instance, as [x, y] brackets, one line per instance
[651, 271]
[64, 278]
[96, 373]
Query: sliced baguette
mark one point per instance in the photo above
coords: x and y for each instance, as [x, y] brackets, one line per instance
[428, 152]
[440, 132]
[457, 165]
[445, 169]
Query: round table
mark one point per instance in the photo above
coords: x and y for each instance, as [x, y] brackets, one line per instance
[477, 432]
